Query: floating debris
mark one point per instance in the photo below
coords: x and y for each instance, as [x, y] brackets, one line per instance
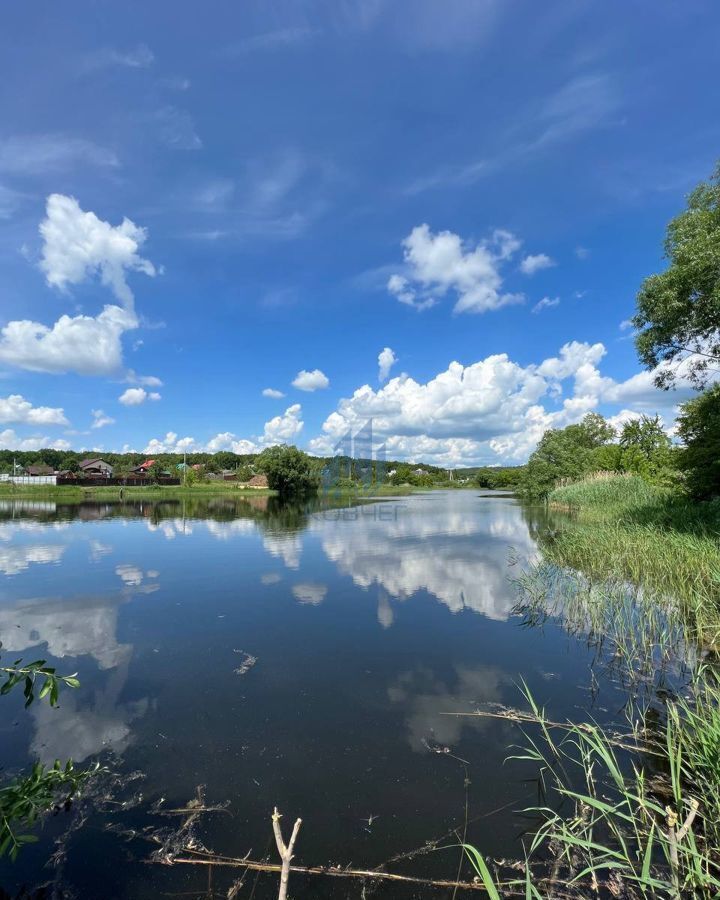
[247, 663]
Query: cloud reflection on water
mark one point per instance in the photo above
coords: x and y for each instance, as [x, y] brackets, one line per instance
[456, 549]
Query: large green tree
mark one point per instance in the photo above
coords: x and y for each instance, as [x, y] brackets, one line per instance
[699, 429]
[647, 450]
[678, 311]
[289, 471]
[571, 453]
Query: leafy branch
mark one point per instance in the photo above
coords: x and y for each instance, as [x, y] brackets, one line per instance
[29, 675]
[25, 799]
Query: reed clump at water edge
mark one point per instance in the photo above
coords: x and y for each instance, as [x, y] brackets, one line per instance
[636, 572]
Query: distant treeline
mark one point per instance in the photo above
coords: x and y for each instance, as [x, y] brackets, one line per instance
[336, 470]
[493, 477]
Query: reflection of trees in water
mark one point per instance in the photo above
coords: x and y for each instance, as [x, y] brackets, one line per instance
[541, 521]
[270, 513]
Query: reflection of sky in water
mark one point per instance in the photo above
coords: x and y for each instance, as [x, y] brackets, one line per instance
[367, 627]
[453, 547]
[429, 702]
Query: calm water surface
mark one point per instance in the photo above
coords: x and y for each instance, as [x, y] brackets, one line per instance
[368, 625]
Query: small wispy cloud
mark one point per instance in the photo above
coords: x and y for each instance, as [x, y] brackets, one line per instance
[176, 128]
[535, 263]
[139, 57]
[39, 154]
[271, 40]
[100, 419]
[581, 105]
[545, 303]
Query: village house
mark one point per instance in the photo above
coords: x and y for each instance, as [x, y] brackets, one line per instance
[39, 470]
[96, 468]
[142, 469]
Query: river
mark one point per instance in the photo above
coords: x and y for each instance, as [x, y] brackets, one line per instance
[309, 658]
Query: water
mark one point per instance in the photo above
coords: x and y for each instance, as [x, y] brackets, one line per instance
[368, 626]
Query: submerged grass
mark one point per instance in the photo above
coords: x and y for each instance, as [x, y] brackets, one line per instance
[635, 570]
[623, 528]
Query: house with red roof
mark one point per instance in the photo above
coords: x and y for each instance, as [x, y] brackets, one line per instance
[142, 469]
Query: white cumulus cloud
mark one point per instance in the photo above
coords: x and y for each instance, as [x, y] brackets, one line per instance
[491, 411]
[226, 440]
[439, 263]
[532, 264]
[77, 245]
[273, 393]
[9, 440]
[278, 430]
[386, 360]
[310, 381]
[137, 396]
[171, 443]
[100, 419]
[86, 345]
[17, 409]
[283, 429]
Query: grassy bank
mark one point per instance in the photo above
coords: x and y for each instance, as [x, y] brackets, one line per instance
[630, 811]
[622, 527]
[73, 494]
[77, 494]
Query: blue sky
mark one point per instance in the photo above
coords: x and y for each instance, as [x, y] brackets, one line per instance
[474, 187]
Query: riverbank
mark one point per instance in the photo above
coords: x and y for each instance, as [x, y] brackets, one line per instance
[77, 494]
[635, 569]
[622, 527]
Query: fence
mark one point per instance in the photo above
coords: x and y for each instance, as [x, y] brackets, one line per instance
[130, 481]
[32, 479]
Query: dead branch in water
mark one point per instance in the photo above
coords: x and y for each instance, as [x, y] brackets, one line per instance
[286, 852]
[520, 717]
[332, 871]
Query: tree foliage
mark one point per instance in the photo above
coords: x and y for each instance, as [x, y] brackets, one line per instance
[678, 311]
[647, 450]
[699, 429]
[289, 471]
[565, 453]
[23, 800]
[572, 453]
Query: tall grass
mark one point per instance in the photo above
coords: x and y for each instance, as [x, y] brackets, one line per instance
[635, 570]
[641, 638]
[642, 828]
[624, 528]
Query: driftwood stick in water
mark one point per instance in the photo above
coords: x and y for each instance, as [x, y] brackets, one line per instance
[286, 852]
[333, 871]
[519, 717]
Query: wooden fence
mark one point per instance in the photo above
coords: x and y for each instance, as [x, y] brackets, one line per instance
[130, 481]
